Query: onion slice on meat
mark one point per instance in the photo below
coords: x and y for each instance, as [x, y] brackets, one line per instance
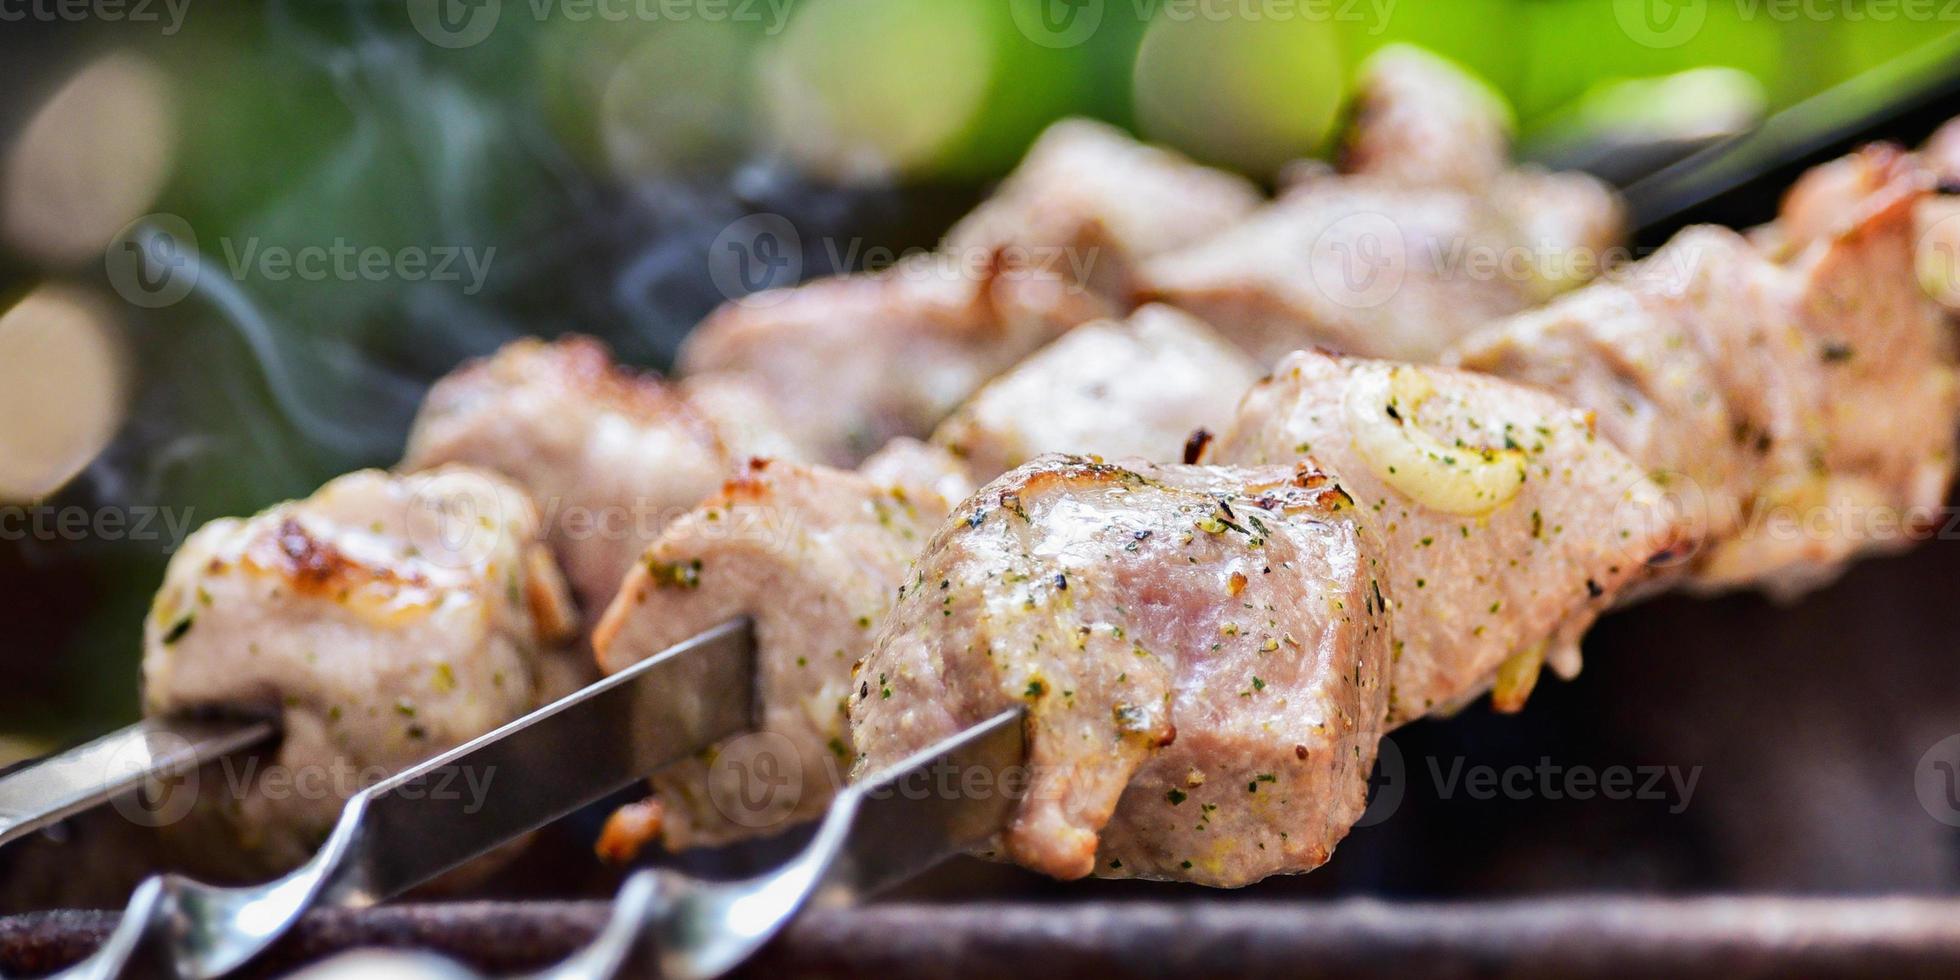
[1467, 480]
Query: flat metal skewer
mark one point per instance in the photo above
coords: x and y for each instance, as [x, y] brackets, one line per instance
[58, 787]
[1912, 90]
[941, 801]
[876, 833]
[408, 828]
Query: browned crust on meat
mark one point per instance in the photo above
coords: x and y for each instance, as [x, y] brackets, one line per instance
[752, 484]
[585, 365]
[317, 567]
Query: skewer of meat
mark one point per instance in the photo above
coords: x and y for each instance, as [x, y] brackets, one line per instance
[1057, 246]
[1039, 591]
[1796, 385]
[1426, 234]
[1451, 452]
[1844, 281]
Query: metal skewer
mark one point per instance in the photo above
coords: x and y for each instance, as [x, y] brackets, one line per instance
[408, 829]
[877, 833]
[1902, 98]
[53, 789]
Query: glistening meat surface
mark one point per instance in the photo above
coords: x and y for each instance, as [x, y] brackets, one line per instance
[383, 619]
[814, 555]
[1090, 200]
[1511, 526]
[609, 454]
[826, 353]
[1796, 386]
[1135, 387]
[1202, 652]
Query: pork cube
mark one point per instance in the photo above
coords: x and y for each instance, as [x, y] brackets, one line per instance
[1091, 201]
[1511, 524]
[1802, 401]
[1202, 653]
[1359, 265]
[1423, 121]
[814, 555]
[1687, 366]
[1426, 234]
[609, 454]
[384, 619]
[853, 362]
[1137, 387]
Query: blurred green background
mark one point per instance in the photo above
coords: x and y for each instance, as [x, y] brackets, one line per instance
[589, 151]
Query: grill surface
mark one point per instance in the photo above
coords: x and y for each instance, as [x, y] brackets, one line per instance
[1589, 937]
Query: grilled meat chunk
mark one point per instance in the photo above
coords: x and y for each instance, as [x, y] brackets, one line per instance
[1685, 364]
[609, 454]
[920, 469]
[1805, 400]
[1090, 201]
[1938, 219]
[1202, 652]
[1422, 121]
[1355, 264]
[1511, 526]
[826, 351]
[1428, 236]
[384, 619]
[1137, 387]
[814, 555]
[743, 417]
